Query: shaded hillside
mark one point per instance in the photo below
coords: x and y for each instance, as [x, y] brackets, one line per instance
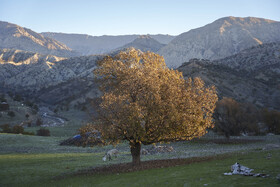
[222, 38]
[250, 76]
[17, 37]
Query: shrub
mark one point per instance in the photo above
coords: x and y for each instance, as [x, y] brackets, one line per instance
[2, 98]
[233, 118]
[272, 121]
[39, 122]
[11, 114]
[17, 98]
[36, 109]
[28, 103]
[43, 132]
[27, 116]
[6, 128]
[28, 133]
[84, 108]
[29, 124]
[17, 129]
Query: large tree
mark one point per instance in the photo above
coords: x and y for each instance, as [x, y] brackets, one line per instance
[145, 102]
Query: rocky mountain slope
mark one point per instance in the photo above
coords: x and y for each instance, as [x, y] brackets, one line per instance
[224, 37]
[144, 43]
[88, 45]
[253, 75]
[17, 37]
[48, 78]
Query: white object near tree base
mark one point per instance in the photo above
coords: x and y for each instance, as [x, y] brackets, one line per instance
[238, 169]
[110, 154]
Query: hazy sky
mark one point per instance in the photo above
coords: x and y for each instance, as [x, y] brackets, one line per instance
[119, 17]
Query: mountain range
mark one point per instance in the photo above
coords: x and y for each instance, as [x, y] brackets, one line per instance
[241, 58]
[89, 45]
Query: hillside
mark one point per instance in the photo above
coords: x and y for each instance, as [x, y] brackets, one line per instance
[88, 45]
[17, 37]
[224, 37]
[48, 78]
[252, 75]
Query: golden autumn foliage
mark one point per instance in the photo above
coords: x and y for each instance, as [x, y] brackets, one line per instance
[145, 102]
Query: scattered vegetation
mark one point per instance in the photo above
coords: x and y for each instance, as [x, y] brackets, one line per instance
[17, 129]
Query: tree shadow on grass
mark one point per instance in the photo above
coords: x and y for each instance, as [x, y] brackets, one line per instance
[145, 165]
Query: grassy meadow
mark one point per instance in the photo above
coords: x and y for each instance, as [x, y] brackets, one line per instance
[38, 161]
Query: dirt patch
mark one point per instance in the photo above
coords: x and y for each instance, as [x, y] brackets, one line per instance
[145, 165]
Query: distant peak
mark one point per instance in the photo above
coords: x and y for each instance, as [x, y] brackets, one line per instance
[145, 37]
[243, 20]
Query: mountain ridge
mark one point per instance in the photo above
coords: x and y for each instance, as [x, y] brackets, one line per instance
[89, 45]
[219, 39]
[16, 37]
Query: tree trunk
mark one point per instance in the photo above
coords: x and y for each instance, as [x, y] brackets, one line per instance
[135, 149]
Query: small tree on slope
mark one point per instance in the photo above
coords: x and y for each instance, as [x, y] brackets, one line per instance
[145, 102]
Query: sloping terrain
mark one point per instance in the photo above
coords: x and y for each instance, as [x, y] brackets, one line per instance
[16, 37]
[48, 78]
[224, 37]
[250, 76]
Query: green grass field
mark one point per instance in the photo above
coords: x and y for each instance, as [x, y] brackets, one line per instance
[35, 161]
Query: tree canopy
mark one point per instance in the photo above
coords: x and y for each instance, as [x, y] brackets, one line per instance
[145, 102]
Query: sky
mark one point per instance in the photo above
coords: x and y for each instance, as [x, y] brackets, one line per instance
[120, 17]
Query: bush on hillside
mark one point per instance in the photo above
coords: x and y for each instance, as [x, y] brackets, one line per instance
[39, 122]
[17, 129]
[17, 97]
[233, 118]
[6, 128]
[272, 120]
[11, 114]
[43, 132]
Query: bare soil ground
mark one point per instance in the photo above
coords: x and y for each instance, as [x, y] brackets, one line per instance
[145, 165]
